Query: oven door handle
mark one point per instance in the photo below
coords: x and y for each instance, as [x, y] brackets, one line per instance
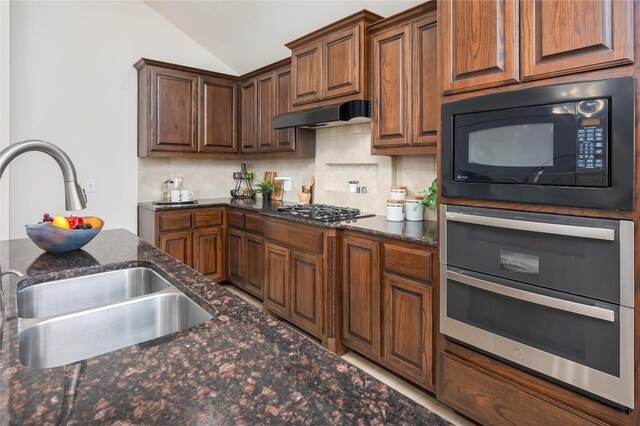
[540, 227]
[539, 299]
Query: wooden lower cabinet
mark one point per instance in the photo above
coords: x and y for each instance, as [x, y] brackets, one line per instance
[245, 249]
[235, 254]
[254, 252]
[276, 280]
[387, 309]
[408, 328]
[195, 237]
[361, 295]
[178, 245]
[306, 292]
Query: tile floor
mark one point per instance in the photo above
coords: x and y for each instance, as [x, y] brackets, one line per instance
[391, 380]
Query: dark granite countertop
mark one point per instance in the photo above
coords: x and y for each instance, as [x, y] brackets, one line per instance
[241, 367]
[424, 232]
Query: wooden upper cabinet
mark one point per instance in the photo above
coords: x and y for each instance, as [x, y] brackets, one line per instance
[248, 116]
[480, 44]
[341, 63]
[425, 97]
[174, 110]
[284, 139]
[564, 36]
[218, 124]
[404, 75]
[331, 63]
[391, 63]
[306, 71]
[265, 90]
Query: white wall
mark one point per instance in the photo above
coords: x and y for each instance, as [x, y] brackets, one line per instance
[5, 9]
[72, 83]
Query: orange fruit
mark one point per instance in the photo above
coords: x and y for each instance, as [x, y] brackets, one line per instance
[61, 222]
[93, 221]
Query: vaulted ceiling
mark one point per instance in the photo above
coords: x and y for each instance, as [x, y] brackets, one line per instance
[246, 35]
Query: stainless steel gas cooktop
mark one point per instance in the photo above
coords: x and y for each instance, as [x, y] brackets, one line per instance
[323, 212]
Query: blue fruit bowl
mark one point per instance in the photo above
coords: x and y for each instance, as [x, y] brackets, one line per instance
[52, 239]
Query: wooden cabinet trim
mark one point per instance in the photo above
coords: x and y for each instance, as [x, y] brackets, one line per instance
[567, 37]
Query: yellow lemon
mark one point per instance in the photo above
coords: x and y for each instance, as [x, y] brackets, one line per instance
[61, 222]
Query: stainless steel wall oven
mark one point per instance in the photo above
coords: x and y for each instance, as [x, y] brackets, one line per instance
[552, 294]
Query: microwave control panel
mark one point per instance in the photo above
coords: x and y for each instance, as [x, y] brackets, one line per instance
[592, 143]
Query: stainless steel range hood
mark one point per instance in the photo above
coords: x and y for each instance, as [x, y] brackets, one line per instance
[347, 113]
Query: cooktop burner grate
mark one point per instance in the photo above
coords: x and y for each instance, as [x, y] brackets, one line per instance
[323, 212]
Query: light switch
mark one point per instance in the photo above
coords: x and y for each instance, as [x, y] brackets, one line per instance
[90, 186]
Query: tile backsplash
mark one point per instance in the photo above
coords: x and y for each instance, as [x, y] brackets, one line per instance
[342, 153]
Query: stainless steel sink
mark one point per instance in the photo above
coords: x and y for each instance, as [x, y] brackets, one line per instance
[69, 338]
[75, 294]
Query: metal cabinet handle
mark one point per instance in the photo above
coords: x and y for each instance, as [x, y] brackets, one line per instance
[541, 227]
[538, 299]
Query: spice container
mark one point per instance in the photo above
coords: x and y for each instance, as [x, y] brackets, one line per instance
[395, 210]
[398, 192]
[414, 210]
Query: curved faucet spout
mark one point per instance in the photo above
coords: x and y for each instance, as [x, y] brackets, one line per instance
[75, 199]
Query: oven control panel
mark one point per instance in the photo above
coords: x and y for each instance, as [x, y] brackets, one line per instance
[592, 143]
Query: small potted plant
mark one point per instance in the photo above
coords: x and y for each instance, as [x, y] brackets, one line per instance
[353, 185]
[430, 197]
[265, 188]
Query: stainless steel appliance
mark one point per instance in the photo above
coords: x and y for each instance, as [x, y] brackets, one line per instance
[323, 212]
[569, 144]
[548, 293]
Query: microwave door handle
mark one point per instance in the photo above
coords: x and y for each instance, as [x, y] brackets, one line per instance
[538, 299]
[540, 227]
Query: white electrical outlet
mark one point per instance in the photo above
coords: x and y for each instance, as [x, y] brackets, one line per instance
[90, 186]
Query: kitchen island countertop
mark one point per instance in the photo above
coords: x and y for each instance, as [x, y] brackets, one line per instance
[424, 232]
[241, 367]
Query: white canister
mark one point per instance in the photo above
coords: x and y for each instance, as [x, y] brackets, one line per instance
[398, 192]
[414, 210]
[395, 210]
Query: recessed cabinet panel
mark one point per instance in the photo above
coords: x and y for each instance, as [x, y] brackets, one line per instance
[276, 280]
[284, 138]
[306, 292]
[305, 67]
[341, 64]
[248, 117]
[207, 252]
[177, 245]
[425, 101]
[236, 256]
[480, 42]
[254, 249]
[563, 36]
[218, 116]
[361, 294]
[391, 87]
[265, 113]
[175, 100]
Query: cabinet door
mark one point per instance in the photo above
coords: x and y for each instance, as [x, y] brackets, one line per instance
[174, 105]
[177, 244]
[407, 328]
[236, 257]
[341, 63]
[480, 44]
[425, 100]
[391, 97]
[306, 74]
[361, 295]
[306, 292]
[265, 113]
[254, 267]
[564, 36]
[218, 132]
[276, 280]
[207, 252]
[284, 139]
[248, 117]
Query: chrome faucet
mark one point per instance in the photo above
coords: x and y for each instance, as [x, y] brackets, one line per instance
[74, 196]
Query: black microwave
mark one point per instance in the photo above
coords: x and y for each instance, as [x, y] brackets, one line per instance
[569, 144]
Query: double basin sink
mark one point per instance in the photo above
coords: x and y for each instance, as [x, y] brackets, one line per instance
[69, 320]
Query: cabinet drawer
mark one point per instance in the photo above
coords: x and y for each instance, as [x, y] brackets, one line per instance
[490, 399]
[207, 217]
[253, 223]
[405, 261]
[294, 236]
[235, 218]
[174, 221]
